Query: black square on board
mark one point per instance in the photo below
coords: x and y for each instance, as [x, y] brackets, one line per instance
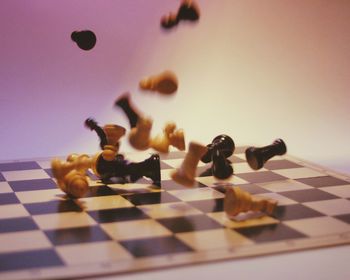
[53, 206]
[309, 195]
[33, 185]
[76, 235]
[17, 224]
[189, 223]
[208, 205]
[14, 166]
[155, 246]
[118, 215]
[261, 177]
[294, 212]
[29, 259]
[269, 233]
[150, 198]
[8, 198]
[280, 164]
[322, 181]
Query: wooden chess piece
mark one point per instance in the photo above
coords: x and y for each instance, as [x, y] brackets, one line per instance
[236, 201]
[164, 83]
[139, 136]
[170, 137]
[129, 109]
[185, 174]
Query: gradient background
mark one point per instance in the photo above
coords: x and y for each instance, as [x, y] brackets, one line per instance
[256, 70]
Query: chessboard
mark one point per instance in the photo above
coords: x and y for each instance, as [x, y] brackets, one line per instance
[119, 228]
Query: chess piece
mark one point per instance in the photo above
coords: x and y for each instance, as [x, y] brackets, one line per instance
[218, 151]
[92, 125]
[237, 201]
[121, 168]
[223, 143]
[221, 167]
[129, 109]
[185, 174]
[188, 11]
[139, 136]
[70, 175]
[85, 39]
[256, 157]
[164, 83]
[171, 137]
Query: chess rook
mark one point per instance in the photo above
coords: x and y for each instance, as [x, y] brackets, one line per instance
[256, 157]
[188, 11]
[223, 143]
[164, 83]
[237, 201]
[130, 111]
[85, 39]
[186, 173]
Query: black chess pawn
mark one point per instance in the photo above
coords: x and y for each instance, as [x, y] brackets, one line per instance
[223, 143]
[218, 151]
[121, 168]
[256, 157]
[188, 11]
[85, 39]
[221, 167]
[92, 125]
[130, 111]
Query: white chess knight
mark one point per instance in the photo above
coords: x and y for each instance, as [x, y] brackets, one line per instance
[237, 201]
[185, 174]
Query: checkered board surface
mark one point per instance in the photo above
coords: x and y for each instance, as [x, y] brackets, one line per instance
[132, 227]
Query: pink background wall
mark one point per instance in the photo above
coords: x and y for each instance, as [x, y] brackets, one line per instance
[256, 70]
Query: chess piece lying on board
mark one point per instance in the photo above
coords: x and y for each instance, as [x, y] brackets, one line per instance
[218, 151]
[72, 179]
[237, 201]
[188, 11]
[165, 83]
[256, 157]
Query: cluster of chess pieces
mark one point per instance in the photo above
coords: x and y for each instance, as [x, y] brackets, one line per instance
[111, 166]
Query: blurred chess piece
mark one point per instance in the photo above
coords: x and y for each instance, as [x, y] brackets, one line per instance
[85, 39]
[185, 174]
[129, 109]
[139, 136]
[71, 175]
[164, 83]
[188, 11]
[170, 137]
[237, 201]
[257, 157]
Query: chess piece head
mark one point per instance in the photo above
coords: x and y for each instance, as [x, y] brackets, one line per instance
[85, 39]
[113, 133]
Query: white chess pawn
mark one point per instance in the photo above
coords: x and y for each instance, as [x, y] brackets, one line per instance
[186, 173]
[139, 136]
[165, 83]
[237, 201]
[71, 175]
[170, 137]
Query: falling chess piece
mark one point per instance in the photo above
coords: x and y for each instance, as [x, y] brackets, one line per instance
[185, 174]
[237, 201]
[139, 136]
[71, 175]
[256, 157]
[85, 39]
[188, 11]
[223, 143]
[170, 137]
[165, 83]
[121, 168]
[221, 167]
[93, 125]
[129, 109]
